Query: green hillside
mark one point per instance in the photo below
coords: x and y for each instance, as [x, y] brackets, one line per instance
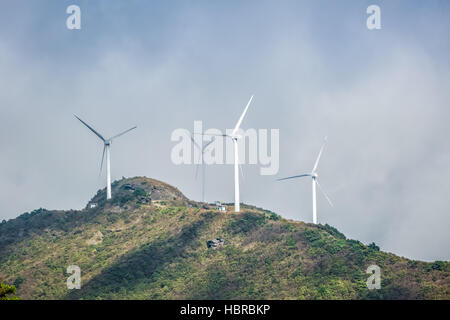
[150, 242]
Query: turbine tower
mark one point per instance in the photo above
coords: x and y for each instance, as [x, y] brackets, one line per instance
[202, 150]
[315, 182]
[235, 137]
[106, 149]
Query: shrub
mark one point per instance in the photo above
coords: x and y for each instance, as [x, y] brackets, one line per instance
[246, 222]
[274, 216]
[437, 265]
[19, 280]
[335, 246]
[140, 193]
[333, 231]
[312, 235]
[6, 291]
[374, 247]
[290, 242]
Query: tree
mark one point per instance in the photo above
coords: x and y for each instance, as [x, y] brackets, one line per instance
[6, 291]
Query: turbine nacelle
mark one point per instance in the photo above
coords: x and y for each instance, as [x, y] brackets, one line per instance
[314, 175]
[236, 137]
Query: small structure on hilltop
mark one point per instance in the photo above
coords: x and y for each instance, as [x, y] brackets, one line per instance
[93, 205]
[218, 242]
[220, 206]
[128, 186]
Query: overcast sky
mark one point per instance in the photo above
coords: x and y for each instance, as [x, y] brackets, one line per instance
[381, 96]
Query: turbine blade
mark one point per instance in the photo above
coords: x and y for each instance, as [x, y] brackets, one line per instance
[200, 156]
[238, 124]
[195, 143]
[122, 133]
[206, 145]
[90, 128]
[320, 154]
[242, 172]
[324, 193]
[293, 177]
[101, 164]
[213, 134]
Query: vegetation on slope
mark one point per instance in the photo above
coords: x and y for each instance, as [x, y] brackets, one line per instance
[149, 242]
[7, 291]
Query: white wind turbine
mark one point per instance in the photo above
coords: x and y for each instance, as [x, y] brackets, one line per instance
[106, 147]
[202, 150]
[235, 137]
[314, 176]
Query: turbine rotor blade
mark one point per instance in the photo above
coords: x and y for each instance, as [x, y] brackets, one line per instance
[213, 134]
[293, 177]
[206, 145]
[198, 162]
[122, 133]
[103, 157]
[195, 143]
[324, 193]
[238, 124]
[318, 157]
[200, 156]
[90, 128]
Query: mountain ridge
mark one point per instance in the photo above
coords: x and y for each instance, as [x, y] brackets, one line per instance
[150, 242]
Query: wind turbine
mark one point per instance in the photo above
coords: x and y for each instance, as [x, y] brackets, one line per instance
[202, 149]
[315, 182]
[235, 137]
[106, 147]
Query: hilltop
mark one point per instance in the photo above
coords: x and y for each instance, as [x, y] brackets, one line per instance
[151, 242]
